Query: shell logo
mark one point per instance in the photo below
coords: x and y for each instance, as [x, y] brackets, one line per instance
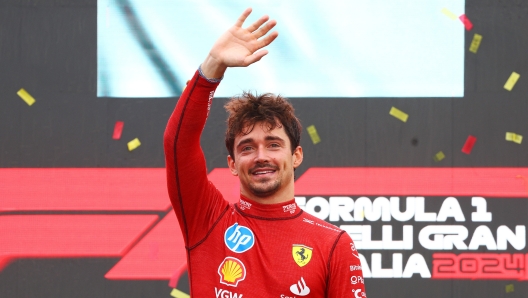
[231, 271]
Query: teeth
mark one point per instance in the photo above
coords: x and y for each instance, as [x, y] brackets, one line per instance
[263, 172]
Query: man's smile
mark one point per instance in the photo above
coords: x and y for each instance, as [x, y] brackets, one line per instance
[263, 171]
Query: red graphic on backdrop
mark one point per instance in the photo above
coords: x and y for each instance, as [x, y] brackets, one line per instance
[154, 249]
[148, 250]
[69, 236]
[480, 266]
[487, 182]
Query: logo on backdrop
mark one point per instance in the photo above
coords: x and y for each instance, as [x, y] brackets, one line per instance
[231, 271]
[238, 238]
[301, 254]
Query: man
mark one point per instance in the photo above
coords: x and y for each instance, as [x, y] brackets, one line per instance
[265, 245]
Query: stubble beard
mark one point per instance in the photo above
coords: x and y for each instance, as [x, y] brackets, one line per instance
[265, 188]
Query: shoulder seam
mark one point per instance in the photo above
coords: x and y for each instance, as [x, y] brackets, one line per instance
[177, 177]
[210, 230]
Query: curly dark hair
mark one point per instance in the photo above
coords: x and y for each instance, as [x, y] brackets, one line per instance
[247, 110]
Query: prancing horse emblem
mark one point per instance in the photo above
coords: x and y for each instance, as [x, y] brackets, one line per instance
[302, 254]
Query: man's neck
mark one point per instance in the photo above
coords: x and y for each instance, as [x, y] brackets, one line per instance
[283, 195]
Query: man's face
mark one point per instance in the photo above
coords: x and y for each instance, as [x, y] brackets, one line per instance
[264, 161]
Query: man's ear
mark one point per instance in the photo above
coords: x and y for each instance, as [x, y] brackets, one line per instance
[231, 165]
[297, 157]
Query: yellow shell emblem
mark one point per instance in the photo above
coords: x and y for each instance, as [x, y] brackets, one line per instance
[231, 271]
[302, 254]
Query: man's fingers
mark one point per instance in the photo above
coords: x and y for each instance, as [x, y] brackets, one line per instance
[243, 17]
[264, 29]
[255, 57]
[268, 39]
[257, 24]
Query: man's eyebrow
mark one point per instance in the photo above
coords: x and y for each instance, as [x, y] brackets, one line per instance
[274, 138]
[245, 141]
[267, 138]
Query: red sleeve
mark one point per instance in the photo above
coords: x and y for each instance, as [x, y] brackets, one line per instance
[197, 203]
[345, 275]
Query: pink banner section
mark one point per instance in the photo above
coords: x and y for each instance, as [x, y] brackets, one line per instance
[161, 254]
[157, 256]
[69, 236]
[480, 266]
[83, 189]
[487, 182]
[226, 183]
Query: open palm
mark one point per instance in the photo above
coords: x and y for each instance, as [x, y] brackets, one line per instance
[242, 46]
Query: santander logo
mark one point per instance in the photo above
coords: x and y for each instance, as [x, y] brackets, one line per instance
[300, 288]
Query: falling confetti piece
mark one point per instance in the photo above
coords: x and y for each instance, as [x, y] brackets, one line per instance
[449, 14]
[26, 96]
[179, 294]
[362, 214]
[467, 23]
[439, 156]
[509, 288]
[313, 134]
[477, 38]
[513, 137]
[511, 81]
[133, 144]
[468, 146]
[118, 129]
[399, 114]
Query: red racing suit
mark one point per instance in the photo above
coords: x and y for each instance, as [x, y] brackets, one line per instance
[248, 249]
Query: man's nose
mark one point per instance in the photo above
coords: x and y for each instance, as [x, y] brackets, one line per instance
[262, 154]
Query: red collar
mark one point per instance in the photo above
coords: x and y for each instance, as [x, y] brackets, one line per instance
[284, 210]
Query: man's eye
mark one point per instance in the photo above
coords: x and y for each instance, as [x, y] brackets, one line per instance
[275, 145]
[246, 148]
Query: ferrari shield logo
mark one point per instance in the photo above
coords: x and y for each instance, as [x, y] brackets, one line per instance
[302, 254]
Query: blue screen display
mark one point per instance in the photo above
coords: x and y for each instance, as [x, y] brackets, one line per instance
[333, 48]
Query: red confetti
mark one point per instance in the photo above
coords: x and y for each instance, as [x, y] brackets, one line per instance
[468, 146]
[466, 21]
[118, 129]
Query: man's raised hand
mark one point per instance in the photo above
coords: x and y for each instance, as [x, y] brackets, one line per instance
[239, 46]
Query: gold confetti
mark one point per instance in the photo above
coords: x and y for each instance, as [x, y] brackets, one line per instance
[477, 38]
[133, 144]
[313, 134]
[509, 288]
[179, 294]
[398, 114]
[26, 96]
[449, 14]
[511, 81]
[439, 156]
[513, 137]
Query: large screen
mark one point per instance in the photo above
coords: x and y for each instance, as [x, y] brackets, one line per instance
[333, 48]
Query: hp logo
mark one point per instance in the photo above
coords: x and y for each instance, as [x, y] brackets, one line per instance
[239, 238]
